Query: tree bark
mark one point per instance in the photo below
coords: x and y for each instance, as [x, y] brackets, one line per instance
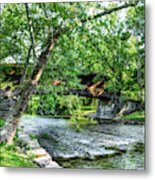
[30, 30]
[9, 130]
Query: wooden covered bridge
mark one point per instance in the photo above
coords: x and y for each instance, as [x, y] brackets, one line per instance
[106, 108]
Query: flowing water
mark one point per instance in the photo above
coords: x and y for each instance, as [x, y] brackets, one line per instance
[102, 146]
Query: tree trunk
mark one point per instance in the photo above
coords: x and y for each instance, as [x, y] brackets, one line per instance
[9, 130]
[13, 131]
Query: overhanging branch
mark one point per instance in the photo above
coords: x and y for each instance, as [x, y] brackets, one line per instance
[30, 30]
[111, 10]
[43, 58]
[105, 12]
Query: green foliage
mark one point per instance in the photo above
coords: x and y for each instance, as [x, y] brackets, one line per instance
[10, 157]
[2, 122]
[139, 115]
[68, 104]
[33, 105]
[52, 105]
[80, 122]
[33, 136]
[112, 45]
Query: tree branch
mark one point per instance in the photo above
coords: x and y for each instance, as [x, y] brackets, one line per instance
[30, 30]
[45, 11]
[111, 10]
[105, 12]
[26, 65]
[43, 58]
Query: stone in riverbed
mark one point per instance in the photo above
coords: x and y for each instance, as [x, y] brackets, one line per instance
[23, 139]
[46, 162]
[43, 161]
[93, 154]
[53, 164]
[84, 141]
[122, 148]
[33, 144]
[39, 153]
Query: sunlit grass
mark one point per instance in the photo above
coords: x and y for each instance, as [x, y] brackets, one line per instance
[138, 115]
[10, 157]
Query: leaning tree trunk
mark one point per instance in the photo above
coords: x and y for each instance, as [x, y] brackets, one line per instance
[19, 108]
[9, 130]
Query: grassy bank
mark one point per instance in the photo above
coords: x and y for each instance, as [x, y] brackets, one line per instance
[138, 115]
[11, 157]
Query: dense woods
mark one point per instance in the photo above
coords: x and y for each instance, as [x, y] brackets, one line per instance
[46, 47]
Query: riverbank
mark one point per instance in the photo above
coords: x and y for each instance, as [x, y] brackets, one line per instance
[12, 156]
[137, 117]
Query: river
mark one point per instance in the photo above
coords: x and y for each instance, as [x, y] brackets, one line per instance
[98, 146]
